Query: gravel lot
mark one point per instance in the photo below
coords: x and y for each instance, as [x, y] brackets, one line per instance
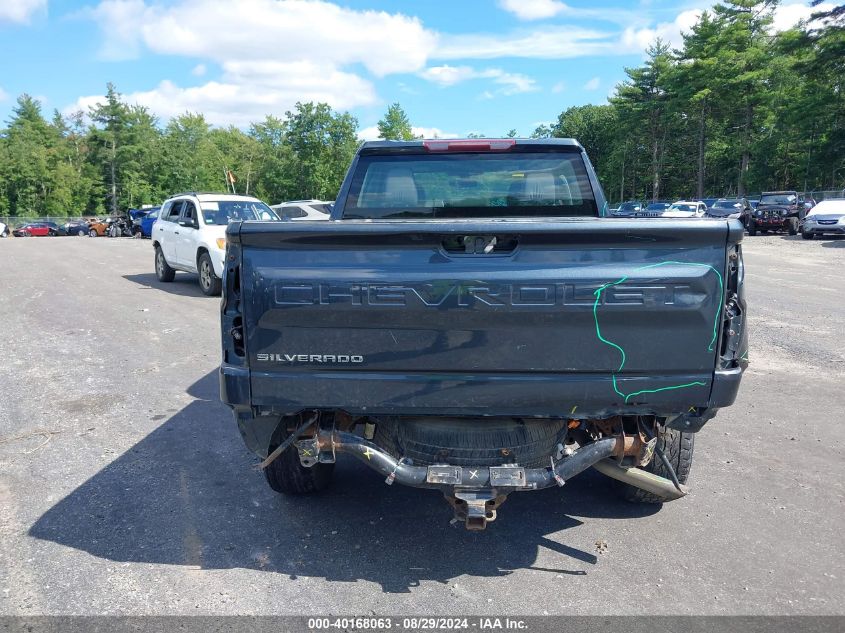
[125, 487]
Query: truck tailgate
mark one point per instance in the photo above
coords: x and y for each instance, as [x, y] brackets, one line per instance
[593, 316]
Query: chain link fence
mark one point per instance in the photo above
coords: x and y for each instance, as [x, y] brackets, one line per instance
[827, 194]
[14, 221]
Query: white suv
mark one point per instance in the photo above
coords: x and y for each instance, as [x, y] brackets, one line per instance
[685, 209]
[303, 210]
[190, 234]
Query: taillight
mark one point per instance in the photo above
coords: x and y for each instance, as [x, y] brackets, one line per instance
[479, 145]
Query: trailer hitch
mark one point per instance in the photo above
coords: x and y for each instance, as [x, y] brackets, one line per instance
[475, 492]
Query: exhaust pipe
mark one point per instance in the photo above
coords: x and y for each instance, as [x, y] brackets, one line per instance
[643, 479]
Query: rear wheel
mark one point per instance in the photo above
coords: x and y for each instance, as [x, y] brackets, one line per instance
[210, 283]
[92, 233]
[81, 232]
[678, 448]
[287, 475]
[163, 270]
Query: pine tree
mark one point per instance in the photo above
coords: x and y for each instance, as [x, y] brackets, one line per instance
[395, 125]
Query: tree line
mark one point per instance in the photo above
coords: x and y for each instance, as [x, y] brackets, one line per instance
[117, 156]
[738, 108]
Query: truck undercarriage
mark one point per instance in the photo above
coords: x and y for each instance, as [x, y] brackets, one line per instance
[474, 480]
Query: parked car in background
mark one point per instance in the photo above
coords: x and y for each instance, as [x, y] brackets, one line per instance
[685, 209]
[627, 209]
[55, 229]
[75, 227]
[654, 209]
[145, 224]
[778, 211]
[303, 210]
[135, 217]
[828, 216]
[97, 227]
[120, 226]
[731, 208]
[33, 229]
[190, 234]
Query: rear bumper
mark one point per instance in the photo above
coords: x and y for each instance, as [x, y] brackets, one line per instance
[521, 395]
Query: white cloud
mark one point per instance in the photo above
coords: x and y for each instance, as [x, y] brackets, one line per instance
[514, 83]
[248, 92]
[121, 22]
[272, 52]
[546, 43]
[20, 11]
[448, 75]
[509, 83]
[788, 15]
[84, 104]
[528, 10]
[266, 30]
[533, 9]
[636, 39]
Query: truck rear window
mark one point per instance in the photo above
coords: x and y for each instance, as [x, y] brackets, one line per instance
[470, 185]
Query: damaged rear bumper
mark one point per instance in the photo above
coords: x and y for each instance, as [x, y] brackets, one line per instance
[475, 492]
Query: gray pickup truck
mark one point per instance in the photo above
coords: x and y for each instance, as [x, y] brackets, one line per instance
[471, 320]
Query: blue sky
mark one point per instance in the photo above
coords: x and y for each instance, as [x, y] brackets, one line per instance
[456, 66]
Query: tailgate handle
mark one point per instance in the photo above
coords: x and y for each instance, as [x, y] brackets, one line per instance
[479, 244]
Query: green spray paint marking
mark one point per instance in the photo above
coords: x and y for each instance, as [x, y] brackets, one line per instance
[598, 294]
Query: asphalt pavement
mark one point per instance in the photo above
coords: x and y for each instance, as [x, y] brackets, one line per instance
[125, 487]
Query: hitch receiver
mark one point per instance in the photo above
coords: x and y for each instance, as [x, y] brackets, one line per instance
[475, 507]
